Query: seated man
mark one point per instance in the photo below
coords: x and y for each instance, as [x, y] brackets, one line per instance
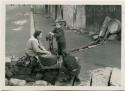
[33, 46]
[35, 49]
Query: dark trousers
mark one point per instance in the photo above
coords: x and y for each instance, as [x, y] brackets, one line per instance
[61, 48]
[71, 73]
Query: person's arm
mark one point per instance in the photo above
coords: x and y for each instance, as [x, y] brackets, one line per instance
[58, 34]
[55, 33]
[42, 47]
[37, 49]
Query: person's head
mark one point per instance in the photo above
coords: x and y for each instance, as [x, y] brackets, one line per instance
[38, 34]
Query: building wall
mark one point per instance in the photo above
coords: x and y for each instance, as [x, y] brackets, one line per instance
[59, 12]
[80, 17]
[52, 11]
[97, 13]
[75, 16]
[68, 14]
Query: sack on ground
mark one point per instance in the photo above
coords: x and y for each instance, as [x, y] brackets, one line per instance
[104, 26]
[114, 26]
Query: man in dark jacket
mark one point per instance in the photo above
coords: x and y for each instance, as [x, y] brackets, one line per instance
[59, 34]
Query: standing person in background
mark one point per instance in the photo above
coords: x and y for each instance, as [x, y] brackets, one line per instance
[59, 34]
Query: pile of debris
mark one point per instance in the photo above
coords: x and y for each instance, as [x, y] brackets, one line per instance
[110, 30]
[19, 72]
[23, 75]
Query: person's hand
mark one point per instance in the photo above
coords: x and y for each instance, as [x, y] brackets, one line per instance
[48, 53]
[51, 33]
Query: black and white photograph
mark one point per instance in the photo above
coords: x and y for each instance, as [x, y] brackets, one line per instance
[63, 45]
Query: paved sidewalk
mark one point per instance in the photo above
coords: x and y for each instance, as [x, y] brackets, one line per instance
[17, 29]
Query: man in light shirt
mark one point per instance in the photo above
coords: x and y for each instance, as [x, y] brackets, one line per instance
[33, 46]
[35, 49]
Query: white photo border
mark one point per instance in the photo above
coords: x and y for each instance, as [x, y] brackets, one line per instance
[64, 2]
